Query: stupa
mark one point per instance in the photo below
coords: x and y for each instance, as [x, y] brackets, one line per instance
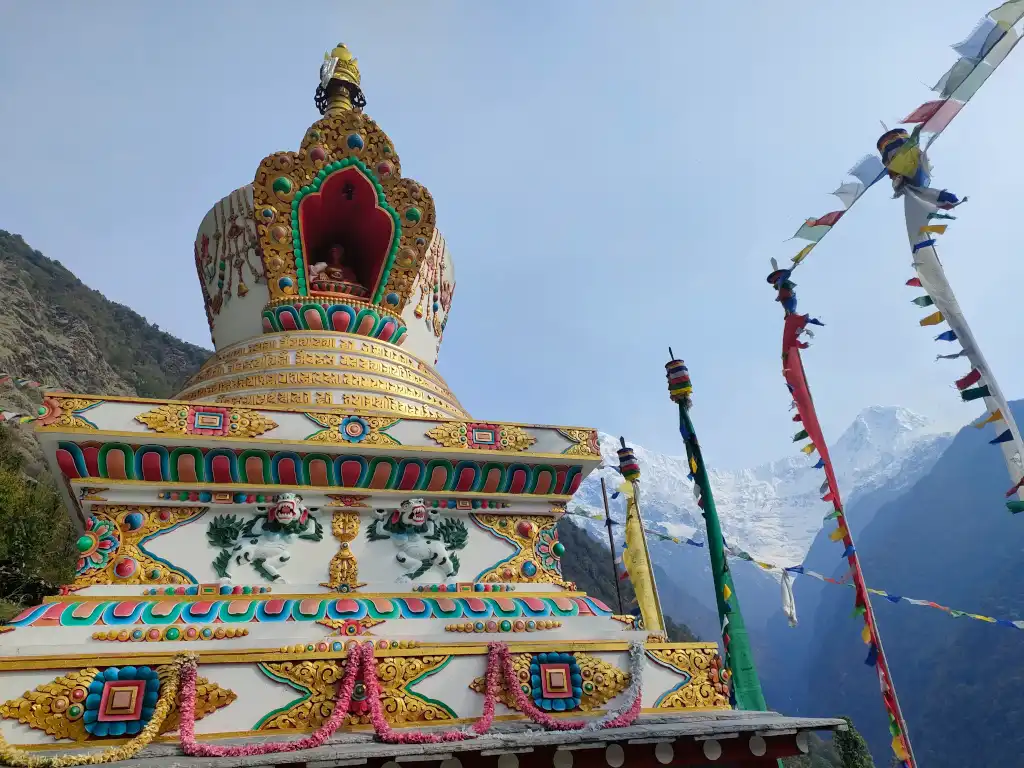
[316, 542]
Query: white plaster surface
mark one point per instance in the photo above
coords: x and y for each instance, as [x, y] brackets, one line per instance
[240, 316]
[421, 338]
[257, 695]
[186, 547]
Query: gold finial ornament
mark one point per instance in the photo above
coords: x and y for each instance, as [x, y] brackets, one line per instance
[339, 89]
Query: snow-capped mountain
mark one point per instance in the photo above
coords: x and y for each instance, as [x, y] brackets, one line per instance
[773, 511]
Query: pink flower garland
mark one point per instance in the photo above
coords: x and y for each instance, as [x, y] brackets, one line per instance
[499, 670]
[391, 736]
[188, 719]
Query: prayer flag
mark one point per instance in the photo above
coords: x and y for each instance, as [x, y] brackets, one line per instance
[803, 253]
[1005, 437]
[839, 533]
[848, 192]
[914, 282]
[868, 170]
[828, 220]
[933, 319]
[809, 231]
[969, 379]
[924, 112]
[968, 395]
[936, 229]
[1009, 12]
[923, 301]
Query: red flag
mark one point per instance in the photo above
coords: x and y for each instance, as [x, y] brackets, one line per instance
[914, 282]
[969, 379]
[798, 417]
[924, 113]
[828, 220]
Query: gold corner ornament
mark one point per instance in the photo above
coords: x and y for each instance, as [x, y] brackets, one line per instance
[344, 568]
[112, 549]
[58, 708]
[57, 411]
[705, 682]
[601, 682]
[319, 680]
[584, 442]
[350, 627]
[362, 430]
[539, 554]
[206, 421]
[478, 436]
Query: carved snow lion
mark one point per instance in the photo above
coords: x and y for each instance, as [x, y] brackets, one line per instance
[423, 538]
[263, 541]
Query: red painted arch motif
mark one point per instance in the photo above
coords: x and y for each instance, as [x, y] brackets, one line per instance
[157, 463]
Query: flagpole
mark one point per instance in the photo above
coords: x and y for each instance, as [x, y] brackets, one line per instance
[640, 569]
[611, 545]
[796, 381]
[739, 657]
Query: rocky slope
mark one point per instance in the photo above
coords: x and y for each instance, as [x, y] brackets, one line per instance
[57, 330]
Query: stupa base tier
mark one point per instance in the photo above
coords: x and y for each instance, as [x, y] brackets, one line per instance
[697, 738]
[65, 700]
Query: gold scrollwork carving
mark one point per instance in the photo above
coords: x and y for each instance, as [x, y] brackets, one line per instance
[535, 537]
[66, 412]
[496, 437]
[111, 550]
[344, 569]
[345, 500]
[584, 442]
[189, 420]
[602, 681]
[705, 683]
[57, 708]
[339, 428]
[319, 680]
[282, 175]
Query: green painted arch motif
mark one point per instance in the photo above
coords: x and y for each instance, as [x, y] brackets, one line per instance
[297, 238]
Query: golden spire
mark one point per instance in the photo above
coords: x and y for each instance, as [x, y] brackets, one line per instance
[339, 83]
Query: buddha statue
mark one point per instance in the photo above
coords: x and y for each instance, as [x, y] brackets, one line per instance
[334, 275]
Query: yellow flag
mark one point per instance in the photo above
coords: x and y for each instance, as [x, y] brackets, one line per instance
[626, 489]
[803, 253]
[809, 448]
[933, 319]
[898, 749]
[996, 415]
[726, 592]
[935, 229]
[865, 634]
[989, 619]
[638, 564]
[905, 161]
[764, 566]
[838, 533]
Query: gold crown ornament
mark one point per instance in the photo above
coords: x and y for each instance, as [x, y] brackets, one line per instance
[339, 82]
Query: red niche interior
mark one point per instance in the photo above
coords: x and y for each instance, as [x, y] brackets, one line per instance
[346, 235]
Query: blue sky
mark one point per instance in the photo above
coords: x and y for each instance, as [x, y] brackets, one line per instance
[612, 178]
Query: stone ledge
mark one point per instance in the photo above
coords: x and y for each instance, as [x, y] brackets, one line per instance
[355, 748]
